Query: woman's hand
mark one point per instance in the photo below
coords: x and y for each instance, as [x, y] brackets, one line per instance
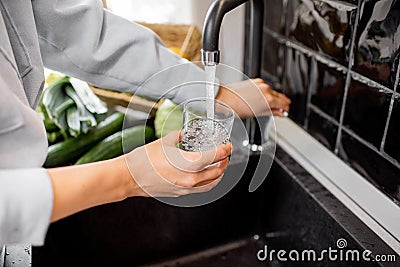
[250, 97]
[160, 169]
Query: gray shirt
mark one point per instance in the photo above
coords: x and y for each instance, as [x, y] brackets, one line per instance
[78, 38]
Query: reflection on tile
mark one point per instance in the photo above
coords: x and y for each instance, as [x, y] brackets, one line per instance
[272, 61]
[273, 16]
[378, 41]
[323, 130]
[327, 90]
[366, 112]
[392, 145]
[322, 26]
[351, 1]
[371, 165]
[296, 82]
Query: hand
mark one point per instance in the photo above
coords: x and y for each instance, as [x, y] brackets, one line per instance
[160, 169]
[246, 98]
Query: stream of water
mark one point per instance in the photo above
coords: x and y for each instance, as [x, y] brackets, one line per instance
[210, 83]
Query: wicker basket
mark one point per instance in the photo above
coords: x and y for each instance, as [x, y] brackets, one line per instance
[186, 37]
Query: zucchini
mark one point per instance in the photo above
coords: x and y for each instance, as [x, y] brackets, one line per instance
[72, 149]
[54, 137]
[112, 147]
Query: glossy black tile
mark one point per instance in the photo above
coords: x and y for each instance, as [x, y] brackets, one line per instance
[272, 56]
[392, 144]
[322, 129]
[296, 83]
[371, 165]
[316, 82]
[274, 16]
[378, 41]
[354, 2]
[328, 88]
[322, 26]
[366, 111]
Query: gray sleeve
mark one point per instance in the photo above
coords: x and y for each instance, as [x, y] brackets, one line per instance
[81, 39]
[26, 202]
[26, 194]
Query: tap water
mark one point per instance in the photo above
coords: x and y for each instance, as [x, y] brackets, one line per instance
[203, 134]
[210, 82]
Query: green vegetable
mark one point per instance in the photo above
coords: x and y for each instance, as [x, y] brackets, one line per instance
[55, 102]
[168, 118]
[53, 137]
[53, 77]
[118, 143]
[73, 121]
[48, 123]
[72, 149]
[87, 96]
[69, 106]
[84, 113]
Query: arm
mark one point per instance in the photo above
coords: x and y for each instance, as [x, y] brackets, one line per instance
[81, 39]
[151, 170]
[83, 186]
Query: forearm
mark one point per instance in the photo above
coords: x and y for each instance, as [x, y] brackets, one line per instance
[80, 187]
[111, 52]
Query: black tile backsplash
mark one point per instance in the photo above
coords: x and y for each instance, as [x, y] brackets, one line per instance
[273, 16]
[323, 130]
[371, 165]
[377, 44]
[366, 112]
[296, 82]
[309, 47]
[327, 93]
[322, 26]
[272, 56]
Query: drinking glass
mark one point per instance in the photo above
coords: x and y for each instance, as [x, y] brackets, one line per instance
[200, 132]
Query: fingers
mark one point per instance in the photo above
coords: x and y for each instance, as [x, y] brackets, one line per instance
[276, 100]
[280, 112]
[211, 173]
[215, 155]
[280, 101]
[207, 186]
[203, 177]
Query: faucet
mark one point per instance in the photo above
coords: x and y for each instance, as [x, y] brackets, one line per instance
[210, 54]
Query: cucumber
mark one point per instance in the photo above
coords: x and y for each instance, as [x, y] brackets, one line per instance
[111, 147]
[72, 149]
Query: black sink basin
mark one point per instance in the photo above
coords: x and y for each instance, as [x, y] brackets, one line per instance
[291, 210]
